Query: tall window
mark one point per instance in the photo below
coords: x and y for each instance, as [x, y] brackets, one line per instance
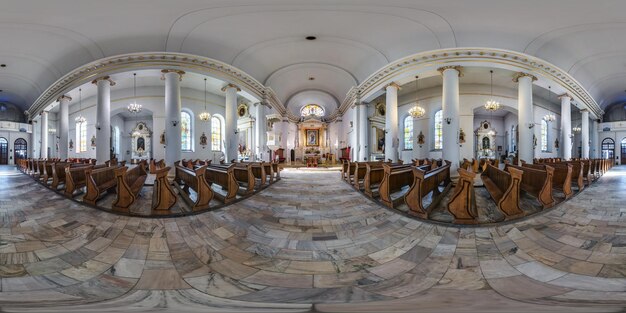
[544, 136]
[408, 133]
[438, 130]
[185, 131]
[81, 137]
[216, 134]
[513, 135]
[116, 140]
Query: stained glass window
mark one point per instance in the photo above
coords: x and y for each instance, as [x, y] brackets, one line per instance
[438, 130]
[185, 131]
[312, 109]
[544, 136]
[216, 134]
[408, 133]
[81, 136]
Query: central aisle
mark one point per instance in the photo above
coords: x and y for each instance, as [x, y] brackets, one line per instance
[309, 238]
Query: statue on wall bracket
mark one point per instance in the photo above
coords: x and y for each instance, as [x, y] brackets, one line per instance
[461, 136]
[203, 140]
[162, 141]
[93, 140]
[420, 139]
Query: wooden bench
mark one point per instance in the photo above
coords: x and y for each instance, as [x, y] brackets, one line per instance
[395, 177]
[276, 169]
[424, 183]
[350, 172]
[223, 176]
[374, 174]
[504, 187]
[47, 172]
[537, 183]
[345, 167]
[163, 196]
[462, 203]
[360, 170]
[129, 184]
[246, 174]
[269, 172]
[155, 166]
[75, 178]
[99, 181]
[562, 179]
[195, 180]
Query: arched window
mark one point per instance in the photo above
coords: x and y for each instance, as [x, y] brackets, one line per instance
[216, 133]
[608, 148]
[186, 134]
[116, 140]
[311, 109]
[438, 130]
[81, 136]
[408, 133]
[544, 136]
[512, 138]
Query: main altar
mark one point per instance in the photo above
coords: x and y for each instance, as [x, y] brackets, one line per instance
[313, 140]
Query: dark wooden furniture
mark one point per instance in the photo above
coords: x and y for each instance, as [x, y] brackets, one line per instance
[280, 155]
[424, 183]
[537, 183]
[129, 184]
[462, 204]
[186, 179]
[99, 181]
[562, 179]
[163, 196]
[223, 176]
[344, 154]
[504, 188]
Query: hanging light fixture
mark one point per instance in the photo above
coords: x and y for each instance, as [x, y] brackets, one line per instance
[205, 116]
[549, 117]
[492, 105]
[577, 129]
[80, 118]
[417, 111]
[134, 107]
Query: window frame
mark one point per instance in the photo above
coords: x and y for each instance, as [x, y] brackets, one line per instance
[191, 124]
[437, 136]
[408, 142]
[221, 133]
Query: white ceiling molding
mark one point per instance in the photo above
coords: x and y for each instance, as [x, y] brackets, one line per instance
[485, 57]
[156, 60]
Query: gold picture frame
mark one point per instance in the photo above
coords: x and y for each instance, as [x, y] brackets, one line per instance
[312, 137]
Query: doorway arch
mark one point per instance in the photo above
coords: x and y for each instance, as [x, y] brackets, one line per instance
[4, 151]
[20, 149]
[608, 148]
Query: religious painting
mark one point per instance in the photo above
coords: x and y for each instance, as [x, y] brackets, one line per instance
[380, 140]
[486, 143]
[380, 109]
[242, 140]
[312, 137]
[141, 144]
[203, 140]
[242, 110]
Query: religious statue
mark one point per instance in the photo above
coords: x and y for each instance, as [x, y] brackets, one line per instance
[534, 140]
[93, 140]
[420, 138]
[71, 144]
[556, 143]
[162, 138]
[203, 140]
[461, 136]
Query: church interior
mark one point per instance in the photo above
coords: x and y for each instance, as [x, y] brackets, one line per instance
[312, 156]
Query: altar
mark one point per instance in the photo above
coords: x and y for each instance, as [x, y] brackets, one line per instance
[312, 141]
[141, 138]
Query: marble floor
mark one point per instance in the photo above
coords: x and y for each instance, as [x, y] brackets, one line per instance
[309, 243]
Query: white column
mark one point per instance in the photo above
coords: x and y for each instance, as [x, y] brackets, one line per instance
[525, 116]
[230, 138]
[261, 132]
[566, 126]
[391, 122]
[585, 133]
[44, 135]
[173, 106]
[363, 132]
[451, 116]
[64, 125]
[103, 118]
[595, 146]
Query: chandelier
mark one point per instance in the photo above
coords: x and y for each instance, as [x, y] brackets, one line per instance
[205, 116]
[134, 107]
[80, 118]
[549, 117]
[417, 111]
[492, 105]
[577, 129]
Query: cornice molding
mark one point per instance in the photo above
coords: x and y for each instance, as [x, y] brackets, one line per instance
[231, 86]
[154, 60]
[476, 57]
[451, 67]
[179, 72]
[107, 78]
[64, 97]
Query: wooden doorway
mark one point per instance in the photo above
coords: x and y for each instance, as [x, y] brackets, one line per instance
[623, 150]
[20, 149]
[4, 151]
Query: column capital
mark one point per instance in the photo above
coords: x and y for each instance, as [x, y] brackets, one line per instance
[457, 68]
[393, 84]
[95, 81]
[519, 75]
[584, 111]
[179, 72]
[64, 97]
[565, 95]
[231, 86]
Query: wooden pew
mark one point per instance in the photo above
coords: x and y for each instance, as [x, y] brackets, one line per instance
[223, 176]
[360, 170]
[163, 196]
[269, 172]
[129, 184]
[276, 169]
[246, 174]
[504, 188]
[462, 204]
[374, 173]
[395, 176]
[155, 166]
[195, 180]
[425, 182]
[99, 181]
[47, 172]
[75, 178]
[562, 179]
[537, 183]
[350, 172]
[587, 176]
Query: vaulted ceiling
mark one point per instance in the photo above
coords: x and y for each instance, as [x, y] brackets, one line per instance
[42, 40]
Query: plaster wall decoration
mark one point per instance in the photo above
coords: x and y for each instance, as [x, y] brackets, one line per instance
[242, 110]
